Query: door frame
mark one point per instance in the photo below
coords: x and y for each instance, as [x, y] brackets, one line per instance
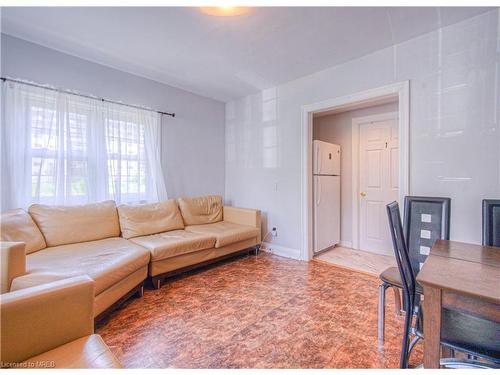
[399, 91]
[356, 123]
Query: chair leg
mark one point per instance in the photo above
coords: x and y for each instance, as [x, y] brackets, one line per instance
[412, 344]
[403, 361]
[381, 312]
[397, 300]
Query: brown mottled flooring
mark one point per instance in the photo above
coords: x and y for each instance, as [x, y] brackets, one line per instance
[258, 312]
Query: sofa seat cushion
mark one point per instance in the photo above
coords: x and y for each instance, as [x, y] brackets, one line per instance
[226, 233]
[106, 261]
[177, 242]
[86, 352]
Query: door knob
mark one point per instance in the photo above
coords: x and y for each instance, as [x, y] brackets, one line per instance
[363, 194]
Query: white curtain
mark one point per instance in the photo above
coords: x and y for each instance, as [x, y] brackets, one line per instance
[59, 148]
[152, 139]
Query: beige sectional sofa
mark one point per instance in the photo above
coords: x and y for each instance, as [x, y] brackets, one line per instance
[118, 247]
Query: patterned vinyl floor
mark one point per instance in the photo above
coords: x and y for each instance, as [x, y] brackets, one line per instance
[260, 311]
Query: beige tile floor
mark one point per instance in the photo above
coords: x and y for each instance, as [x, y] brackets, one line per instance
[357, 260]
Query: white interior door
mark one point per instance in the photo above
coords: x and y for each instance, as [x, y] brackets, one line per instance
[378, 182]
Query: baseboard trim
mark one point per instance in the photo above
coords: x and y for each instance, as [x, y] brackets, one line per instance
[283, 251]
[346, 244]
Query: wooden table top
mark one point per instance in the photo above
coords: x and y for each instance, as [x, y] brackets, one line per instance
[464, 268]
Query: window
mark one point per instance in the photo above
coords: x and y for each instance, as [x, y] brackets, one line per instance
[67, 149]
[127, 165]
[48, 142]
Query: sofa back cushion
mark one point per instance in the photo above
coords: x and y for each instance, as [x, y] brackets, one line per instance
[18, 226]
[63, 225]
[145, 219]
[201, 210]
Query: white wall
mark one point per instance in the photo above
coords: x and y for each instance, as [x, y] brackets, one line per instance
[193, 141]
[454, 130]
[337, 128]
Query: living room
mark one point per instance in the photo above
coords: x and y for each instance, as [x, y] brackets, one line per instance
[161, 186]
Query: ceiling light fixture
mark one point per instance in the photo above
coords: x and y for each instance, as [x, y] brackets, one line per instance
[225, 11]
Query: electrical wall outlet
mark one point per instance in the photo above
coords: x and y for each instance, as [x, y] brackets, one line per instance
[274, 232]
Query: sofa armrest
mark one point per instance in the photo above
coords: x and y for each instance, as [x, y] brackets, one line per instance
[13, 263]
[243, 216]
[37, 319]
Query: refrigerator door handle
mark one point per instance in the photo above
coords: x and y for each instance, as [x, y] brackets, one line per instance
[318, 192]
[318, 159]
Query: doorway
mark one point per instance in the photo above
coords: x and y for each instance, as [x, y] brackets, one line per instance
[391, 127]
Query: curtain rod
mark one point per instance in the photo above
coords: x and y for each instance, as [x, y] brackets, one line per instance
[85, 96]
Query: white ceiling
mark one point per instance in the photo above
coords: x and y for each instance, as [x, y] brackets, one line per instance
[224, 57]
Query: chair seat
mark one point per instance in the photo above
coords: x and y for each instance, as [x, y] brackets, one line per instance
[392, 277]
[467, 333]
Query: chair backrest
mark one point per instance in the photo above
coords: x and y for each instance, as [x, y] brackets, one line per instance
[426, 219]
[491, 222]
[401, 251]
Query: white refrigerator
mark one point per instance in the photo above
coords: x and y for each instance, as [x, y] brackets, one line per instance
[326, 195]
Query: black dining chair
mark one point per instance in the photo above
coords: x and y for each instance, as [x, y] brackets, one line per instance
[491, 222]
[407, 277]
[426, 219]
[472, 335]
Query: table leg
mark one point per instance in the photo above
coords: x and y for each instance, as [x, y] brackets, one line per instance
[432, 327]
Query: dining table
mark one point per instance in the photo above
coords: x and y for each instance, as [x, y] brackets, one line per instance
[458, 276]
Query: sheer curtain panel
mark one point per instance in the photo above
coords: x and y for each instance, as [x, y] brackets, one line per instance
[60, 148]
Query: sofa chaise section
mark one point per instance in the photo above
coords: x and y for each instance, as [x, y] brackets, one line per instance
[52, 326]
[115, 264]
